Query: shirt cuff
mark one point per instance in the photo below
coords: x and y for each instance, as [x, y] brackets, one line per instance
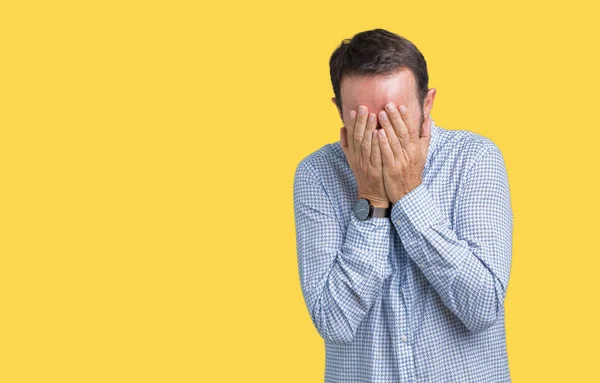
[415, 212]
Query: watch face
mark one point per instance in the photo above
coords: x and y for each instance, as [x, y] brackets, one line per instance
[361, 209]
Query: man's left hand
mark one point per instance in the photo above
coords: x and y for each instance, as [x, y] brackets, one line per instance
[403, 150]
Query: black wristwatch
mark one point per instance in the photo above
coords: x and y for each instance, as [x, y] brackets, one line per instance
[363, 210]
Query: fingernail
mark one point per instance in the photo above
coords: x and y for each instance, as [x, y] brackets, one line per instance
[362, 110]
[389, 107]
[382, 133]
[371, 117]
[382, 115]
[352, 114]
[402, 109]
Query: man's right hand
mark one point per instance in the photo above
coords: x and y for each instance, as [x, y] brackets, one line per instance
[360, 144]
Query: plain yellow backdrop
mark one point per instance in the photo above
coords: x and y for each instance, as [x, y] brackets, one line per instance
[147, 154]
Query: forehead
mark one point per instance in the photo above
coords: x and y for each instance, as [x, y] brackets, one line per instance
[374, 91]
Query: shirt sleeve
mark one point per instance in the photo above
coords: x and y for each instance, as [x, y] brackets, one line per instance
[341, 271]
[469, 265]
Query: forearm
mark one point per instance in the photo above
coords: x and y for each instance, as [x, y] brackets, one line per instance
[342, 270]
[470, 276]
[355, 281]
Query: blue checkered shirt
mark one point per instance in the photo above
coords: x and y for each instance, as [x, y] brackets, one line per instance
[419, 296]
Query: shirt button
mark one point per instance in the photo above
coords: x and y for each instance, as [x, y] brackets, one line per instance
[403, 338]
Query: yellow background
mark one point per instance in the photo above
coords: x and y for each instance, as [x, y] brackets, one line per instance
[147, 154]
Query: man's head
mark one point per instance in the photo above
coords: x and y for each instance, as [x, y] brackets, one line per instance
[376, 67]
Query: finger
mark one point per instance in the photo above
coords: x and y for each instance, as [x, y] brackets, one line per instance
[344, 140]
[375, 150]
[359, 127]
[366, 142]
[398, 123]
[350, 131]
[413, 131]
[390, 134]
[387, 155]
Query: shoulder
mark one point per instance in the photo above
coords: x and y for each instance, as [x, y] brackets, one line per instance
[319, 163]
[469, 146]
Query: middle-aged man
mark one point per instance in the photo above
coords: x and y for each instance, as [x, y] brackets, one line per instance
[403, 229]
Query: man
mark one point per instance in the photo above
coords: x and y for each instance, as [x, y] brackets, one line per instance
[403, 228]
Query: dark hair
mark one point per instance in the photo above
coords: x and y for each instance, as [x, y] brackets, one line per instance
[377, 51]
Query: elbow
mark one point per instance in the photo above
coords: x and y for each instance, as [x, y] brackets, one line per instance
[334, 329]
[336, 337]
[481, 323]
[486, 310]
[486, 315]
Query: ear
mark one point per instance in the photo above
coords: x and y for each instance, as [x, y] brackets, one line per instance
[428, 102]
[338, 108]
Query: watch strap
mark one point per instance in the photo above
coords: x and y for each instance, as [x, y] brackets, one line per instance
[381, 212]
